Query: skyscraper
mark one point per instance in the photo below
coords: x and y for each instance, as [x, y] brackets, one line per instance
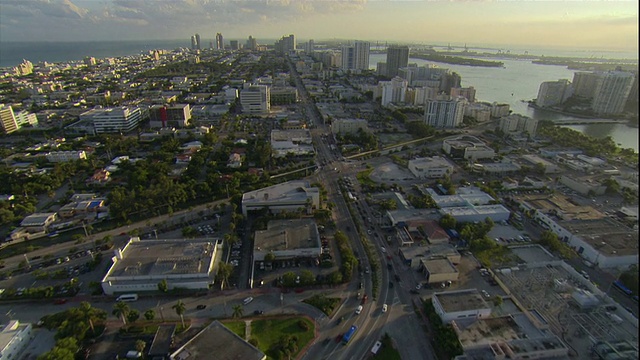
[397, 57]
[252, 44]
[444, 112]
[219, 42]
[554, 92]
[356, 56]
[285, 44]
[612, 92]
[198, 44]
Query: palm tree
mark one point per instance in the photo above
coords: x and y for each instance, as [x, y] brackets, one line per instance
[180, 308]
[149, 314]
[238, 311]
[224, 271]
[121, 309]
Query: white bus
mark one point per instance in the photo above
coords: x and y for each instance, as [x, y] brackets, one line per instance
[127, 297]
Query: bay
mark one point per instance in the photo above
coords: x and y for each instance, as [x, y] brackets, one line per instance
[517, 82]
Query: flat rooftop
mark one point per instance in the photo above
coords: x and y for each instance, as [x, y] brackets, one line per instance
[217, 339]
[454, 301]
[287, 235]
[605, 235]
[164, 257]
[296, 190]
[560, 204]
[37, 219]
[439, 266]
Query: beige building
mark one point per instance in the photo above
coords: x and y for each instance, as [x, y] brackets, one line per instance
[439, 270]
[430, 167]
[461, 304]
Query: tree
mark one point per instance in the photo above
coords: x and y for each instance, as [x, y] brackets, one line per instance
[224, 272]
[140, 345]
[307, 277]
[238, 311]
[121, 309]
[180, 308]
[149, 315]
[497, 301]
[133, 315]
[448, 222]
[163, 286]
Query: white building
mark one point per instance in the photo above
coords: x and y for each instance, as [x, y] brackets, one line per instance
[297, 142]
[612, 91]
[441, 113]
[113, 120]
[288, 196]
[467, 93]
[553, 93]
[14, 339]
[64, 156]
[393, 91]
[461, 304]
[348, 126]
[467, 147]
[480, 112]
[8, 119]
[356, 57]
[141, 265]
[516, 123]
[430, 168]
[287, 240]
[255, 99]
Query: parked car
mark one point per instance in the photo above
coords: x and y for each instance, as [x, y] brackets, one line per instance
[384, 308]
[201, 307]
[258, 312]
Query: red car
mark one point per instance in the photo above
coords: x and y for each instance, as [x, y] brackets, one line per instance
[60, 301]
[364, 299]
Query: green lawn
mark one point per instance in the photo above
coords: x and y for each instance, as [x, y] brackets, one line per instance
[238, 327]
[269, 331]
[324, 303]
[364, 179]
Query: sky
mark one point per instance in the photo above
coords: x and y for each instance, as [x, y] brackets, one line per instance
[594, 25]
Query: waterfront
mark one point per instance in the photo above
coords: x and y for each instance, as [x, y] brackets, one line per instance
[517, 82]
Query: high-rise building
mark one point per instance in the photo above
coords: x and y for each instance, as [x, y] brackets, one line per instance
[584, 83]
[554, 92]
[194, 44]
[234, 45]
[518, 123]
[169, 116]
[255, 99]
[198, 43]
[24, 68]
[467, 93]
[252, 44]
[219, 42]
[89, 61]
[393, 91]
[285, 45]
[310, 47]
[444, 112]
[397, 57]
[356, 56]
[612, 92]
[8, 119]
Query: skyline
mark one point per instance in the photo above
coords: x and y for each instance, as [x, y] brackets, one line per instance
[589, 25]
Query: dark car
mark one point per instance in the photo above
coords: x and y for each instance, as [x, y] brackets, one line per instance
[397, 277]
[258, 312]
[340, 319]
[326, 341]
[60, 301]
[390, 284]
[414, 291]
[201, 307]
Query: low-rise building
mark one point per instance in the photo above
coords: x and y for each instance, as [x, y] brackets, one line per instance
[64, 156]
[438, 270]
[14, 339]
[288, 196]
[534, 160]
[169, 116]
[348, 126]
[460, 304]
[287, 240]
[413, 256]
[295, 142]
[467, 147]
[430, 167]
[219, 340]
[38, 222]
[141, 265]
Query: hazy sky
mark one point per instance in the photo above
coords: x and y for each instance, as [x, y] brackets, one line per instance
[583, 24]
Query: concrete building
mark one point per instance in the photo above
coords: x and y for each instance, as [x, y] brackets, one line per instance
[584, 83]
[255, 99]
[140, 265]
[219, 43]
[283, 95]
[480, 112]
[8, 119]
[356, 57]
[287, 240]
[422, 94]
[14, 339]
[413, 256]
[348, 126]
[612, 92]
[64, 156]
[553, 93]
[286, 44]
[292, 142]
[585, 185]
[288, 196]
[497, 213]
[38, 222]
[394, 91]
[534, 160]
[467, 93]
[444, 112]
[25, 118]
[113, 120]
[497, 168]
[430, 167]
[516, 123]
[397, 57]
[219, 340]
[461, 304]
[439, 270]
[169, 116]
[467, 147]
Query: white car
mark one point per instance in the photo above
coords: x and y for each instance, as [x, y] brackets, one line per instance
[486, 294]
[358, 309]
[419, 286]
[247, 301]
[384, 308]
